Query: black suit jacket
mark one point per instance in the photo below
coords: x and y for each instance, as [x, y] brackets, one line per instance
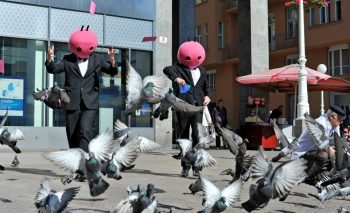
[81, 88]
[196, 93]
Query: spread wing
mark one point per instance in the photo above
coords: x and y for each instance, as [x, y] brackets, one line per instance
[185, 145]
[64, 97]
[231, 193]
[4, 119]
[317, 131]
[102, 146]
[231, 139]
[68, 160]
[159, 88]
[261, 165]
[133, 85]
[121, 130]
[182, 106]
[204, 159]
[65, 197]
[288, 175]
[43, 192]
[147, 145]
[127, 154]
[279, 135]
[16, 135]
[211, 192]
[41, 95]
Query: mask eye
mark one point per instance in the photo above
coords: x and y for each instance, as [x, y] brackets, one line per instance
[199, 58]
[91, 48]
[79, 49]
[188, 58]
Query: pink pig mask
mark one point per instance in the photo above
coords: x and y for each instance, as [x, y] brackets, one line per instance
[191, 54]
[83, 42]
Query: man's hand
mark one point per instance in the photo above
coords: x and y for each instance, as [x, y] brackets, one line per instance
[50, 51]
[180, 81]
[111, 53]
[206, 101]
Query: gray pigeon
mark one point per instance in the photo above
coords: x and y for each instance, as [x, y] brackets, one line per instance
[170, 100]
[10, 138]
[196, 186]
[149, 90]
[325, 194]
[216, 200]
[342, 210]
[124, 136]
[15, 162]
[273, 183]
[122, 159]
[50, 201]
[318, 132]
[55, 98]
[77, 161]
[288, 145]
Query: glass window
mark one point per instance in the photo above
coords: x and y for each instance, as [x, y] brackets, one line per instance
[292, 59]
[292, 23]
[338, 59]
[337, 9]
[221, 35]
[312, 21]
[199, 34]
[142, 62]
[271, 31]
[24, 59]
[211, 80]
[205, 36]
[325, 14]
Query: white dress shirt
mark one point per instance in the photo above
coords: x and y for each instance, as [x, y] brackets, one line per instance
[306, 143]
[83, 65]
[196, 74]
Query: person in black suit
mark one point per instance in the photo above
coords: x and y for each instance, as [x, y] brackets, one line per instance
[189, 72]
[82, 87]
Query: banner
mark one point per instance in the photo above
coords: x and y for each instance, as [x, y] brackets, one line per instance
[12, 96]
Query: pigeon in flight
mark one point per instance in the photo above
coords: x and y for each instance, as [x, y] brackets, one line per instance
[318, 132]
[217, 200]
[149, 90]
[273, 183]
[50, 201]
[55, 98]
[78, 162]
[10, 138]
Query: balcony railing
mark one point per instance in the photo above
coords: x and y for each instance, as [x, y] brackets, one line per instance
[231, 4]
[283, 41]
[232, 51]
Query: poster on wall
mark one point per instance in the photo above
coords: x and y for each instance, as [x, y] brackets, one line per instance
[11, 96]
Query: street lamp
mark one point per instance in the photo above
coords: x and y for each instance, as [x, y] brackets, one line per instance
[323, 69]
[303, 103]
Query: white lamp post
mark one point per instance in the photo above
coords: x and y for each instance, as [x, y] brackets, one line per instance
[303, 103]
[323, 69]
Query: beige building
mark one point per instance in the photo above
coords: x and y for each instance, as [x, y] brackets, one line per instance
[327, 37]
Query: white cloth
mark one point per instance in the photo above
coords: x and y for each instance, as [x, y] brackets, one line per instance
[83, 65]
[196, 74]
[206, 121]
[306, 143]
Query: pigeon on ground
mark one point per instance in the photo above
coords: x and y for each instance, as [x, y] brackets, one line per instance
[55, 98]
[170, 100]
[237, 147]
[325, 194]
[196, 186]
[15, 162]
[50, 201]
[140, 200]
[288, 144]
[342, 210]
[149, 90]
[216, 200]
[273, 183]
[78, 162]
[10, 138]
[122, 159]
[123, 134]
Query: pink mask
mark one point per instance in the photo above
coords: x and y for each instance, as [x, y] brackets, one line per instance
[191, 54]
[83, 42]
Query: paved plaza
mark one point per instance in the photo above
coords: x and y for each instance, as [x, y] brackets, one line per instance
[19, 185]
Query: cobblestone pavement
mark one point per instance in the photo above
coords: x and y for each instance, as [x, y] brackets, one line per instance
[19, 185]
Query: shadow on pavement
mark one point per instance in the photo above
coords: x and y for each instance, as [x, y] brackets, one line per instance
[4, 200]
[298, 194]
[164, 206]
[303, 204]
[43, 172]
[86, 209]
[89, 199]
[149, 172]
[284, 211]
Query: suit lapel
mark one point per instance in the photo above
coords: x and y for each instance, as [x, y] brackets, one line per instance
[91, 64]
[75, 64]
[189, 75]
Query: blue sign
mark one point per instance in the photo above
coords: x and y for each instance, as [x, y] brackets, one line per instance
[11, 96]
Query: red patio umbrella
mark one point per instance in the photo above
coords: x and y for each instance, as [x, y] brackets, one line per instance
[284, 79]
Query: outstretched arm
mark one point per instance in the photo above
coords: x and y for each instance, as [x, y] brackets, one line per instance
[51, 67]
[170, 71]
[110, 67]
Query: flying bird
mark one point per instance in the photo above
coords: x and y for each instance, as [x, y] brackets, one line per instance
[49, 201]
[10, 138]
[78, 162]
[55, 97]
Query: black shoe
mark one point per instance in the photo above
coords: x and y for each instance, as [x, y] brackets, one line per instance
[195, 173]
[184, 172]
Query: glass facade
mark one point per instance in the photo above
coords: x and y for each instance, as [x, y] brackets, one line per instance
[23, 58]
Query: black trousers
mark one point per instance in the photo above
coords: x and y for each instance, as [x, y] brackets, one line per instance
[80, 127]
[186, 121]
